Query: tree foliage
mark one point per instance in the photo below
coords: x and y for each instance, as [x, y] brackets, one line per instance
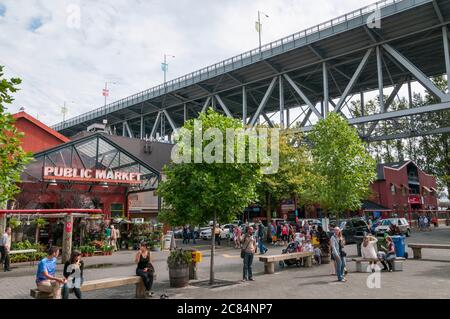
[12, 157]
[193, 192]
[342, 167]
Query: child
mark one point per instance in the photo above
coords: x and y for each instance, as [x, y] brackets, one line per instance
[317, 256]
[73, 272]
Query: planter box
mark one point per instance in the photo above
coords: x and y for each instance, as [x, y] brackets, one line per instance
[179, 277]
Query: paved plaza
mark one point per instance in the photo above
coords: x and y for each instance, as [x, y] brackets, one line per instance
[426, 278]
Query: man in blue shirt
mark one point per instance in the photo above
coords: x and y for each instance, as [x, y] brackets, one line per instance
[45, 276]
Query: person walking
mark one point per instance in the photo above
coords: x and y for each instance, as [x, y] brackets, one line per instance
[336, 254]
[119, 239]
[368, 250]
[144, 268]
[237, 237]
[285, 234]
[273, 233]
[113, 241]
[73, 272]
[108, 235]
[217, 232]
[5, 247]
[46, 281]
[261, 233]
[185, 235]
[192, 233]
[248, 251]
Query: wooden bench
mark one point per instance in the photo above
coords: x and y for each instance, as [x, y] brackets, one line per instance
[269, 261]
[101, 284]
[417, 248]
[25, 251]
[362, 264]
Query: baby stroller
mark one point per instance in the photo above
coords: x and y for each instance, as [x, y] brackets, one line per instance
[291, 248]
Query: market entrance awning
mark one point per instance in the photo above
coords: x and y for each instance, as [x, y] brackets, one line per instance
[94, 160]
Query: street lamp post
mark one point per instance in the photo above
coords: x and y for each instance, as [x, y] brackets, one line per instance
[165, 66]
[106, 90]
[259, 28]
[65, 110]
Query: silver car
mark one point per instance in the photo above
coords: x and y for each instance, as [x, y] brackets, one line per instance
[385, 225]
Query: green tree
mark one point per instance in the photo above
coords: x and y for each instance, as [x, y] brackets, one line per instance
[12, 157]
[343, 169]
[196, 193]
[292, 178]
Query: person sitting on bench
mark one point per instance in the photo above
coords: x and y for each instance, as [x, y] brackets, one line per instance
[73, 272]
[145, 269]
[387, 258]
[45, 276]
[368, 250]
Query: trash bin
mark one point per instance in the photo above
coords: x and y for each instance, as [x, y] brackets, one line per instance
[399, 243]
[359, 240]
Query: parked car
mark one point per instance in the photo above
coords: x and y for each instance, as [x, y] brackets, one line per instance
[224, 232]
[402, 224]
[353, 227]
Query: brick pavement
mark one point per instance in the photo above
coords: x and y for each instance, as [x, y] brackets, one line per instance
[428, 278]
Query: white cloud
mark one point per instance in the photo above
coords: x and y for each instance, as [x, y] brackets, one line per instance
[124, 41]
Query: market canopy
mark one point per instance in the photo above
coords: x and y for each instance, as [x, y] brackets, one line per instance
[93, 160]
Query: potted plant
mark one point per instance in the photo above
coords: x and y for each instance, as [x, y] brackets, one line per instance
[39, 223]
[178, 263]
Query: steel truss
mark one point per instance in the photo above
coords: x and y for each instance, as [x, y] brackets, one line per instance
[318, 77]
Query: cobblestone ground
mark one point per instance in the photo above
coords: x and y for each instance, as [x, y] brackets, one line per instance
[426, 278]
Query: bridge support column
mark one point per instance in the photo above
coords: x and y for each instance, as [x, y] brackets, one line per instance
[280, 82]
[142, 129]
[326, 95]
[185, 113]
[446, 52]
[244, 105]
[380, 79]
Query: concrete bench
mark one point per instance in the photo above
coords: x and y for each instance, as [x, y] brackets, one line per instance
[417, 248]
[269, 261]
[362, 264]
[101, 284]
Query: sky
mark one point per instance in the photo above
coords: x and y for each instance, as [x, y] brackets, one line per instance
[65, 50]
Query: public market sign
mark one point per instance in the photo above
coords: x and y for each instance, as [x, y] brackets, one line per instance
[91, 175]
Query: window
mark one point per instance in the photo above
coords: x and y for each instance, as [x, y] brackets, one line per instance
[117, 210]
[393, 189]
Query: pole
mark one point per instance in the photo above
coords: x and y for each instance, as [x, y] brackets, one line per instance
[213, 250]
[67, 238]
[446, 52]
[106, 89]
[259, 32]
[165, 69]
[380, 79]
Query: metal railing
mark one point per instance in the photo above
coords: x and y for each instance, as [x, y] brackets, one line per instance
[238, 61]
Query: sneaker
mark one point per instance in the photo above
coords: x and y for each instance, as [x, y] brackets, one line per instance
[251, 279]
[149, 294]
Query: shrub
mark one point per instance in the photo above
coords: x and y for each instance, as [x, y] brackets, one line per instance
[178, 258]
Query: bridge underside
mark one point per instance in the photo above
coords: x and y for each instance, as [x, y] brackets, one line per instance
[316, 77]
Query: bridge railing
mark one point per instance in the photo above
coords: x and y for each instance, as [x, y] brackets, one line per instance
[240, 60]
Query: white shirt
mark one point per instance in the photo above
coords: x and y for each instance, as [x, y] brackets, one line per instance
[6, 241]
[369, 252]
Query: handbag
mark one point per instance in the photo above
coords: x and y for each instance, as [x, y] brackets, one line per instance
[243, 250]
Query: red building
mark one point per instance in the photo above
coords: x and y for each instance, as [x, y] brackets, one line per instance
[404, 187]
[38, 136]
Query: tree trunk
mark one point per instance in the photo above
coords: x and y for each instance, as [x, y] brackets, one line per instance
[213, 250]
[36, 236]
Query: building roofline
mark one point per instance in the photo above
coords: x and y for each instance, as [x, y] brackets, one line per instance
[41, 125]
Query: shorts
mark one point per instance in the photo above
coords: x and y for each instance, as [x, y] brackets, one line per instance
[284, 237]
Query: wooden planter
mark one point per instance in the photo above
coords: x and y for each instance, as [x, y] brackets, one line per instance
[179, 276]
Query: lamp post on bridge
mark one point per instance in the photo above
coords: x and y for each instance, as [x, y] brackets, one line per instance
[165, 66]
[105, 92]
[259, 28]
